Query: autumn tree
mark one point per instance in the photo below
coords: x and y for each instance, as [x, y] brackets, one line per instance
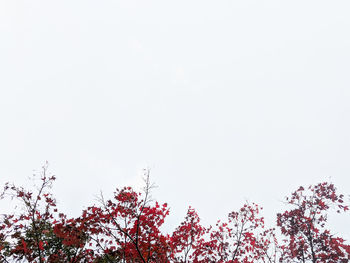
[307, 237]
[242, 238]
[34, 234]
[187, 239]
[126, 228]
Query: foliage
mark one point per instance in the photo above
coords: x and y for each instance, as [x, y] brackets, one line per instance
[307, 238]
[127, 228]
[39, 233]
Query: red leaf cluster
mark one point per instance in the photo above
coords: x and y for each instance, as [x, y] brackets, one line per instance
[128, 228]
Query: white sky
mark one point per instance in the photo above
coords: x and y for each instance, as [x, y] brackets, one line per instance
[224, 100]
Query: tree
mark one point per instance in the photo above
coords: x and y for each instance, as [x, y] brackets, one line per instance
[128, 228]
[307, 238]
[187, 239]
[242, 238]
[34, 234]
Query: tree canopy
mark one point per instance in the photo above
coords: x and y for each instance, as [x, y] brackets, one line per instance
[127, 228]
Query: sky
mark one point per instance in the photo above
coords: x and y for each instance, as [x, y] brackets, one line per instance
[225, 101]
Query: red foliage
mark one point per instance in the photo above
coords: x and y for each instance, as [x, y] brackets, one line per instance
[127, 228]
[307, 238]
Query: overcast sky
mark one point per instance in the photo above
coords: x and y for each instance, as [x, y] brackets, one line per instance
[224, 100]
